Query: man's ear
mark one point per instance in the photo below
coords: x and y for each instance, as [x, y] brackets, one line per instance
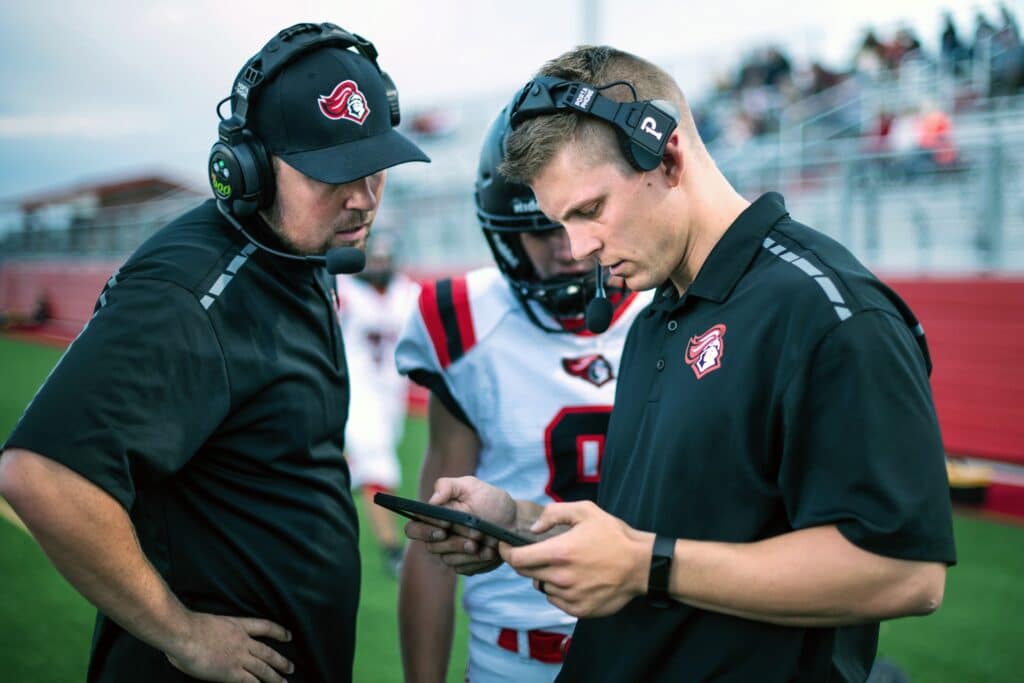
[673, 161]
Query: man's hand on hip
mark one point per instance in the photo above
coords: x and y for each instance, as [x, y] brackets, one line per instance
[219, 648]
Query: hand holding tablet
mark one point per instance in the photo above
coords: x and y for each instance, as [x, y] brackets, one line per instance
[425, 512]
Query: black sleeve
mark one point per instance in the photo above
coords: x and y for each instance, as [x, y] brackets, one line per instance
[135, 395]
[861, 443]
[439, 388]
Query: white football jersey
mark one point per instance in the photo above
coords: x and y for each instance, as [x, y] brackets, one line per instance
[371, 322]
[539, 402]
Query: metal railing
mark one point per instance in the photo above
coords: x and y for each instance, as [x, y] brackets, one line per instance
[905, 211]
[896, 211]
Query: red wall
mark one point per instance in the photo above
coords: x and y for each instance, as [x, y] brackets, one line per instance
[975, 330]
[70, 288]
[974, 325]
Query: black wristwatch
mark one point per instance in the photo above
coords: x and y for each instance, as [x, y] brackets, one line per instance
[661, 569]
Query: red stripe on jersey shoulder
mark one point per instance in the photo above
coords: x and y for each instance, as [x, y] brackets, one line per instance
[463, 313]
[444, 306]
[432, 320]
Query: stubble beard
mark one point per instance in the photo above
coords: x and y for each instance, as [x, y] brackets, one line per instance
[275, 220]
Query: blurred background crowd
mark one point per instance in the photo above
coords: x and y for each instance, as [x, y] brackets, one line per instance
[908, 151]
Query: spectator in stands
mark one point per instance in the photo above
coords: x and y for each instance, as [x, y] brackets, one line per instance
[935, 138]
[908, 159]
[1007, 56]
[822, 78]
[952, 50]
[372, 309]
[904, 45]
[870, 56]
[778, 71]
[1009, 27]
[984, 32]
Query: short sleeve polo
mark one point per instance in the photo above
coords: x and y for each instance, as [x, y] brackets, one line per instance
[137, 393]
[786, 388]
[208, 395]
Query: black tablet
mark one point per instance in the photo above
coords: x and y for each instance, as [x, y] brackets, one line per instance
[424, 512]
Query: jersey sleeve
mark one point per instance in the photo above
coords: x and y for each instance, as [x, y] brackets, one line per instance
[135, 395]
[861, 443]
[439, 332]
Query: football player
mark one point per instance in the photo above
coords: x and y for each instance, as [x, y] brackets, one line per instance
[372, 308]
[521, 393]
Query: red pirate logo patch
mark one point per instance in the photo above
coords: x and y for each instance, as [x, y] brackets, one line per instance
[704, 352]
[346, 101]
[594, 368]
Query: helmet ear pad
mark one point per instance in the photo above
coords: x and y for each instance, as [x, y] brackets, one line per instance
[510, 255]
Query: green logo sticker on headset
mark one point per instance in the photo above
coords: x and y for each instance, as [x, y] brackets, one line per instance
[222, 189]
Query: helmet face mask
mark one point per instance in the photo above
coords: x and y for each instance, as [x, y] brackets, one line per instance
[505, 210]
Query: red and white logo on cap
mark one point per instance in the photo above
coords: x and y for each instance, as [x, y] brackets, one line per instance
[704, 352]
[346, 101]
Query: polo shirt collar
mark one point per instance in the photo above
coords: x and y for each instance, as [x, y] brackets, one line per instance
[731, 256]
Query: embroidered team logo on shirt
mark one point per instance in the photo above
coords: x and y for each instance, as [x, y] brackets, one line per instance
[594, 368]
[704, 352]
[346, 101]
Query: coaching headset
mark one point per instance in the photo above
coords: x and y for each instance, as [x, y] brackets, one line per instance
[241, 174]
[642, 128]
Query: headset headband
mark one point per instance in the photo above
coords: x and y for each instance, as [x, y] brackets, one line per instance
[643, 126]
[286, 46]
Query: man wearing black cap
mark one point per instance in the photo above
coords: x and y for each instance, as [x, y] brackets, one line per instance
[182, 466]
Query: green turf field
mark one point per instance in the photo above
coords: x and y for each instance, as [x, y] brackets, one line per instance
[977, 636]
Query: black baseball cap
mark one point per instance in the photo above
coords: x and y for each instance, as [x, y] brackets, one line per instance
[327, 115]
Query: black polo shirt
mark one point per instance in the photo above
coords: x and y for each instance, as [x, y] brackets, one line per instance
[787, 388]
[208, 395]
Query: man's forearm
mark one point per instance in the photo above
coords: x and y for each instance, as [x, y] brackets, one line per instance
[810, 577]
[426, 615]
[90, 539]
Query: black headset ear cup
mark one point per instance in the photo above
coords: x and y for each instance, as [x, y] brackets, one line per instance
[242, 175]
[263, 193]
[240, 168]
[225, 173]
[637, 145]
[392, 93]
[626, 145]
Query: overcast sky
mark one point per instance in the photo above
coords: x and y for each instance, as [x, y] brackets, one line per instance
[104, 88]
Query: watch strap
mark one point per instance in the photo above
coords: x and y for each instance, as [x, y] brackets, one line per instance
[661, 570]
